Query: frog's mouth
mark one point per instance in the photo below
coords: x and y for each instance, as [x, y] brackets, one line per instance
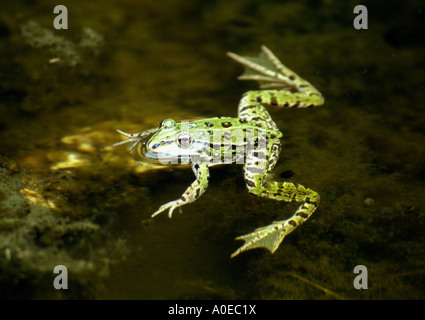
[148, 156]
[162, 158]
[170, 153]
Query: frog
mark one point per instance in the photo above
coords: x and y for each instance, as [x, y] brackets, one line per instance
[251, 139]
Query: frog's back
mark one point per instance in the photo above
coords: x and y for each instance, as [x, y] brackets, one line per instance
[229, 125]
[229, 139]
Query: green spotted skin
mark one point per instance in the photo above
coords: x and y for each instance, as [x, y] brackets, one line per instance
[221, 140]
[252, 139]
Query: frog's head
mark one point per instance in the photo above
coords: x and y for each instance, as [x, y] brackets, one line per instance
[171, 142]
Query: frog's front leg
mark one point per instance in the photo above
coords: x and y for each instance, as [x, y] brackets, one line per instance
[192, 193]
[272, 235]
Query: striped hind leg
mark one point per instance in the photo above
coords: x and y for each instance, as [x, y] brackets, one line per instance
[290, 89]
[256, 170]
[272, 235]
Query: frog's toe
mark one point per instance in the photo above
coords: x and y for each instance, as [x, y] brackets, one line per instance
[157, 212]
[170, 206]
[163, 208]
[170, 211]
[268, 237]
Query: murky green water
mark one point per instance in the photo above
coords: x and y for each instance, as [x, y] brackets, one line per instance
[64, 200]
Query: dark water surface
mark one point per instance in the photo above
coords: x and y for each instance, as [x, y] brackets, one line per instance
[65, 200]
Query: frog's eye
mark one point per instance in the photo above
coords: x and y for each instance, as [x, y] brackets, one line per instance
[184, 140]
[167, 123]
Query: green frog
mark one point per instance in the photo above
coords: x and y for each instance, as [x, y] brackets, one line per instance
[252, 139]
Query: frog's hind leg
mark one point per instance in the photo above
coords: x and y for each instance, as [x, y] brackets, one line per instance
[251, 110]
[272, 235]
[290, 89]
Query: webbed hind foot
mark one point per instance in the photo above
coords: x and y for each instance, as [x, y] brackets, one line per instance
[268, 237]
